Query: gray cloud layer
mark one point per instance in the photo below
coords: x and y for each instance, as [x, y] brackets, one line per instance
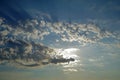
[29, 54]
[24, 53]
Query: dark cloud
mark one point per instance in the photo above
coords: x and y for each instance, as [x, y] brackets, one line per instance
[19, 49]
[28, 54]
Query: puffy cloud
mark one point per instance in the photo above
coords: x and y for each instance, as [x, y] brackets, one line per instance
[1, 20]
[23, 52]
[39, 28]
[30, 29]
[28, 54]
[4, 33]
[86, 33]
[16, 40]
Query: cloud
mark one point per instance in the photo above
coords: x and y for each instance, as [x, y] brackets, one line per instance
[38, 28]
[29, 54]
[82, 33]
[17, 42]
[70, 32]
[1, 20]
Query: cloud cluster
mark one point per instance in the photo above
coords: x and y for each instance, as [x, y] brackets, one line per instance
[37, 29]
[17, 42]
[24, 53]
[82, 33]
[28, 54]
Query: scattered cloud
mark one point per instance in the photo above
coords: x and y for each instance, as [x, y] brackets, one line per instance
[70, 32]
[19, 41]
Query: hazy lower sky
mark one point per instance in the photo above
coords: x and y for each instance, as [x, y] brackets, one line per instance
[32, 31]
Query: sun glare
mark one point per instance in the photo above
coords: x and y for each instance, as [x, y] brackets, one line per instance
[70, 53]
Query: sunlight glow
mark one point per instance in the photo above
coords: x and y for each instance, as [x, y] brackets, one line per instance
[70, 53]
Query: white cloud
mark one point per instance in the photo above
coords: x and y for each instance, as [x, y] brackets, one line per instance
[42, 23]
[4, 33]
[1, 20]
[28, 49]
[70, 32]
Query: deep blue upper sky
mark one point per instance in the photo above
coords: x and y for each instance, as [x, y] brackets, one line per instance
[62, 9]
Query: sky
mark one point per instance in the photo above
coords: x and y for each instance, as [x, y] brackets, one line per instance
[33, 32]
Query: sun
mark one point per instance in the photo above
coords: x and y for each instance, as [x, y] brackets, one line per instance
[70, 53]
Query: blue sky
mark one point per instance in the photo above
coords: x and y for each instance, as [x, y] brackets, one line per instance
[88, 30]
[65, 9]
[102, 14]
